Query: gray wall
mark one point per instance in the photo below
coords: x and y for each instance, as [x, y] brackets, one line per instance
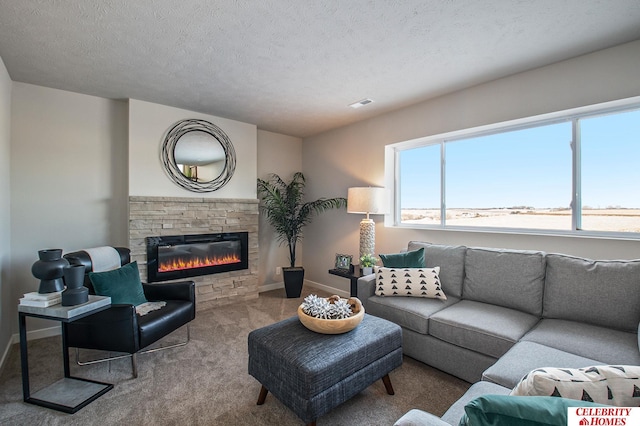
[354, 155]
[6, 303]
[68, 179]
[281, 155]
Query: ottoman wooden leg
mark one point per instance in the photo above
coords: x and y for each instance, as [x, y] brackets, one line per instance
[262, 396]
[387, 384]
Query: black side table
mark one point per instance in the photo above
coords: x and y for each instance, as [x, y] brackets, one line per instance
[68, 394]
[352, 276]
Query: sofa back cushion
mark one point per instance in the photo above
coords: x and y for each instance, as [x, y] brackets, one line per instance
[510, 278]
[599, 292]
[450, 259]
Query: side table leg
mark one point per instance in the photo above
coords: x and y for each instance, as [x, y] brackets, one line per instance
[354, 287]
[65, 350]
[263, 395]
[24, 356]
[387, 384]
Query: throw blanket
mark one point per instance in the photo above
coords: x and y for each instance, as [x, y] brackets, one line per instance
[145, 308]
[104, 258]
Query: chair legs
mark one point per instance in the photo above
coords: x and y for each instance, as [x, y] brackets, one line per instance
[134, 363]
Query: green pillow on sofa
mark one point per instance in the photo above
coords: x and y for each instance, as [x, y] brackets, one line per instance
[408, 259]
[499, 410]
[122, 285]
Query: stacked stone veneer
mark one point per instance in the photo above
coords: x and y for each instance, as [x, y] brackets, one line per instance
[153, 216]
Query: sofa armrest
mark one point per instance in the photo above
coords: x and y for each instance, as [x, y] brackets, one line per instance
[420, 418]
[183, 290]
[366, 288]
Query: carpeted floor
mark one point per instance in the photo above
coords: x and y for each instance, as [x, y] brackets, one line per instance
[206, 382]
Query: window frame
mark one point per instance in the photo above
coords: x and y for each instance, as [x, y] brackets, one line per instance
[392, 169]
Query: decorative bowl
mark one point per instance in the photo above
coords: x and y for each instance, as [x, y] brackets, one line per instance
[332, 326]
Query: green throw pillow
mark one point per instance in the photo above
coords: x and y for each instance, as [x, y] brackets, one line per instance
[408, 259]
[122, 285]
[499, 410]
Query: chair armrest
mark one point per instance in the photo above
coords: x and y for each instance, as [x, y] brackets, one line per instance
[366, 288]
[183, 290]
[110, 329]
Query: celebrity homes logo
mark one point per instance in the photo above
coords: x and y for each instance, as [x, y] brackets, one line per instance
[603, 416]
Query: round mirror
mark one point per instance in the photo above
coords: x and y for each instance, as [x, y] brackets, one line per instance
[198, 156]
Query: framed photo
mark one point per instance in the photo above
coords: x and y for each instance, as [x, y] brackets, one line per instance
[343, 261]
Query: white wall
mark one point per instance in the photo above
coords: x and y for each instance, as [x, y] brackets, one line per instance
[68, 177]
[148, 126]
[6, 302]
[282, 155]
[354, 155]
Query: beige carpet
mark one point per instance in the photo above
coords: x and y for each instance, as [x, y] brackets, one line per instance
[206, 382]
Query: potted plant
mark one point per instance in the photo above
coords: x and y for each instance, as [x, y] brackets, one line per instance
[284, 207]
[367, 262]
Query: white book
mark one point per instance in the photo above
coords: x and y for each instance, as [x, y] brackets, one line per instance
[34, 295]
[40, 303]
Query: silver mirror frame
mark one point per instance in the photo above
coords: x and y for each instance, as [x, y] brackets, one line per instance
[171, 167]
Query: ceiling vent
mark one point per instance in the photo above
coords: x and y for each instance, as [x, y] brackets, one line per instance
[361, 103]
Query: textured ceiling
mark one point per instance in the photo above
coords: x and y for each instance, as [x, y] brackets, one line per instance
[293, 66]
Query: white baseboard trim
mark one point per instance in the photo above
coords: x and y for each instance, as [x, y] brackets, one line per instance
[269, 287]
[331, 290]
[31, 335]
[39, 334]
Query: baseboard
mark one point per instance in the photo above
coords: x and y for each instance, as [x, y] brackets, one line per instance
[5, 354]
[38, 334]
[331, 290]
[269, 287]
[31, 335]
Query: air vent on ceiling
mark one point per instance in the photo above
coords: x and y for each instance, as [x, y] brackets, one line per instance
[361, 103]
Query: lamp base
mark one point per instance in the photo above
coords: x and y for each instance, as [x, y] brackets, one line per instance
[367, 237]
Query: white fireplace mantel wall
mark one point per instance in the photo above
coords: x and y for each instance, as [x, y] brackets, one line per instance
[158, 206]
[148, 125]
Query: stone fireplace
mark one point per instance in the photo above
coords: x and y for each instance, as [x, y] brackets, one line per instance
[178, 217]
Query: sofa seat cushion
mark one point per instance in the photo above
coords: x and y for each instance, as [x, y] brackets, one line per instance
[407, 312]
[510, 278]
[599, 292]
[481, 327]
[603, 344]
[524, 357]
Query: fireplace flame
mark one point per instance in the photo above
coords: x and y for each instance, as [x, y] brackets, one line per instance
[178, 264]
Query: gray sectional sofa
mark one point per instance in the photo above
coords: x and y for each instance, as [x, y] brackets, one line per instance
[510, 311]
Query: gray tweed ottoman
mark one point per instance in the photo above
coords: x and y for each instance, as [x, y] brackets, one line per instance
[312, 373]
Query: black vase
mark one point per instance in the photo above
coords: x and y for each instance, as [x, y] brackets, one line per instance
[49, 270]
[76, 293]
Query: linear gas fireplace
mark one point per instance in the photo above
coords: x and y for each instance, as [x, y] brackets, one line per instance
[183, 256]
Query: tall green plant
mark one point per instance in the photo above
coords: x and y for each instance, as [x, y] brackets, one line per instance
[284, 207]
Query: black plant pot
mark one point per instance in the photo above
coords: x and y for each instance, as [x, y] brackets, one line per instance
[293, 280]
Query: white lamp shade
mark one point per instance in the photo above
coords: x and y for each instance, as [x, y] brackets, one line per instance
[367, 200]
[198, 149]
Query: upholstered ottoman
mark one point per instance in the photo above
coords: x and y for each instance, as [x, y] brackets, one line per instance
[312, 373]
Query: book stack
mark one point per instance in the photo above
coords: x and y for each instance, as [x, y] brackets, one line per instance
[41, 300]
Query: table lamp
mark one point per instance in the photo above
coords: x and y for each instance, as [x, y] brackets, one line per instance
[367, 200]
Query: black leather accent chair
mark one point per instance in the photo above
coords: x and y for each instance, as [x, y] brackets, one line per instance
[120, 329]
